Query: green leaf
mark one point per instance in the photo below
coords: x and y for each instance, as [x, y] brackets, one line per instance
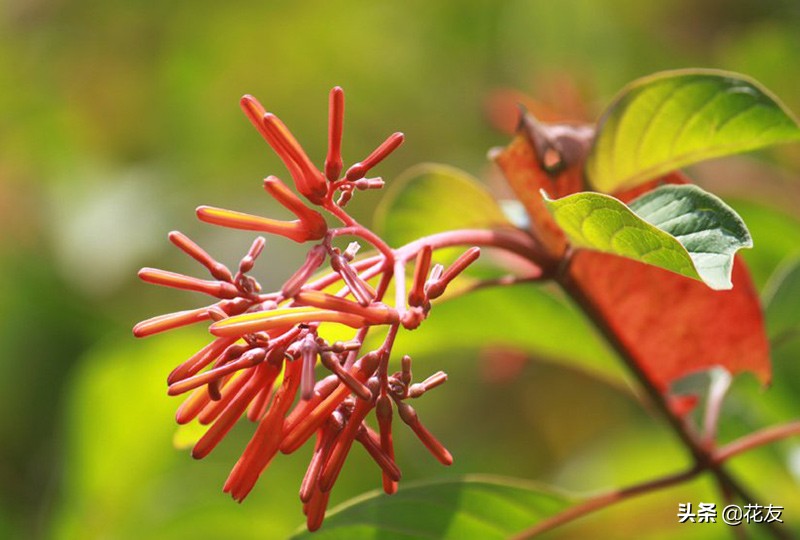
[673, 119]
[776, 233]
[504, 316]
[679, 228]
[781, 296]
[431, 198]
[471, 507]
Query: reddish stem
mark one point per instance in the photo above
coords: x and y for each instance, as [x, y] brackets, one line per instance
[756, 439]
[604, 500]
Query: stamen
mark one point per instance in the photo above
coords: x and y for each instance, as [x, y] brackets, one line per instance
[436, 273]
[351, 251]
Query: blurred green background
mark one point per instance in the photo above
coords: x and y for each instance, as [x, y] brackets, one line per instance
[118, 118]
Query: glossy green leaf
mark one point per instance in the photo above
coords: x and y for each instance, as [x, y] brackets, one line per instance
[471, 507]
[673, 119]
[781, 297]
[679, 228]
[431, 198]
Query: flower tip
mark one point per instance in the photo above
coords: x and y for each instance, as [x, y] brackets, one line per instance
[251, 105]
[139, 331]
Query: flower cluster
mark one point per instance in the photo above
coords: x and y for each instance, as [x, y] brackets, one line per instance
[266, 349]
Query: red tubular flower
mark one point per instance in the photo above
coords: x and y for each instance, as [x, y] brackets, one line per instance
[437, 287]
[294, 230]
[359, 170]
[218, 270]
[333, 161]
[416, 297]
[260, 338]
[383, 412]
[312, 219]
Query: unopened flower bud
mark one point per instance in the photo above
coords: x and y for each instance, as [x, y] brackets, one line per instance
[344, 197]
[437, 379]
[218, 270]
[359, 170]
[437, 288]
[409, 416]
[333, 161]
[368, 183]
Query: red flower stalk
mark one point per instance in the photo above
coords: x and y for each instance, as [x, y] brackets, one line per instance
[258, 336]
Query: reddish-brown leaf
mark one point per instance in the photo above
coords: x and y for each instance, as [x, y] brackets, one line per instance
[521, 167]
[671, 325]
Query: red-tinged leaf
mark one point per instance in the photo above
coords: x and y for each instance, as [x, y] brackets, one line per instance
[674, 326]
